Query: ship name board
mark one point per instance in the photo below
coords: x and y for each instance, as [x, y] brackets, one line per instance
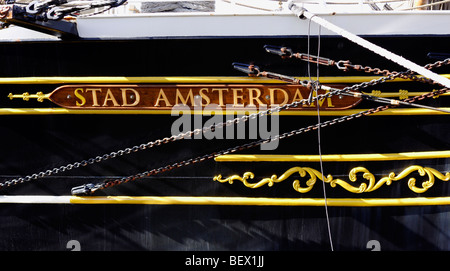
[167, 96]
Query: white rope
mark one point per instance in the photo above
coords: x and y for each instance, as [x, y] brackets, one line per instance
[319, 131]
[303, 13]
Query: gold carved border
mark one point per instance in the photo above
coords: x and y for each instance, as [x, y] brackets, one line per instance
[233, 201]
[345, 112]
[245, 201]
[332, 157]
[372, 184]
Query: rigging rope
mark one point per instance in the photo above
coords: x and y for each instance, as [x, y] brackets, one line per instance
[303, 13]
[319, 142]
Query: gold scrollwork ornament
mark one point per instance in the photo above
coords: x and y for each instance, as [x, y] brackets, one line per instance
[370, 186]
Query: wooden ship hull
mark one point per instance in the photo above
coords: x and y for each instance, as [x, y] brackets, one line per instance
[381, 177]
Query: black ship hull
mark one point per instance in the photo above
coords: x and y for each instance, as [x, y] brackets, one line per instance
[33, 142]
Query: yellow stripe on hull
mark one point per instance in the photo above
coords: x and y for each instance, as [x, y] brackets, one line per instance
[65, 111]
[178, 80]
[230, 201]
[332, 157]
[344, 202]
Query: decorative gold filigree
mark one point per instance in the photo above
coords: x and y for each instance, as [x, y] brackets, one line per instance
[372, 184]
[27, 96]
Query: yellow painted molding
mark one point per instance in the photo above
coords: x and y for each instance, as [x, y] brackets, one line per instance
[331, 113]
[332, 157]
[233, 201]
[176, 79]
[261, 201]
[370, 186]
[402, 94]
[135, 80]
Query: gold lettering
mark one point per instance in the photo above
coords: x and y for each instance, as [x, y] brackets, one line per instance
[297, 96]
[79, 96]
[94, 95]
[162, 96]
[204, 96]
[329, 103]
[184, 101]
[253, 98]
[236, 97]
[110, 97]
[272, 95]
[220, 91]
[137, 97]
